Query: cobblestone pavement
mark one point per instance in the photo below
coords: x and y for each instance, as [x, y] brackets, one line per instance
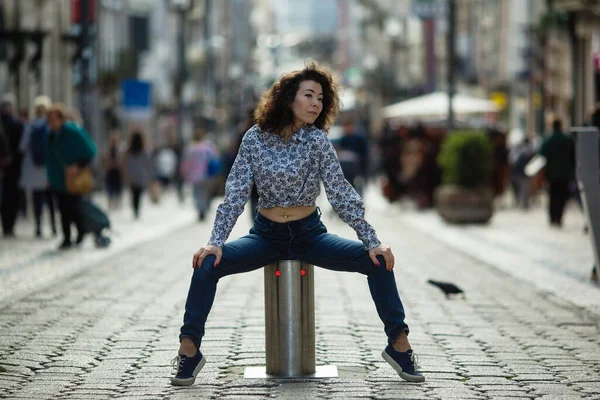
[110, 331]
[557, 261]
[27, 263]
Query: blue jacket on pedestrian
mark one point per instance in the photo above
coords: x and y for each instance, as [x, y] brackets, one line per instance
[68, 145]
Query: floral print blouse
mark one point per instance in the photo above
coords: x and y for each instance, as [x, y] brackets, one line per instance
[288, 174]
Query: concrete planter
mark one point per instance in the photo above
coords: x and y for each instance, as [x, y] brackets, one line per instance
[463, 206]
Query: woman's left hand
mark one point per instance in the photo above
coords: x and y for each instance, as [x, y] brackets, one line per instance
[386, 252]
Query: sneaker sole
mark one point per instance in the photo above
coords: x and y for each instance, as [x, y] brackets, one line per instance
[398, 368]
[189, 381]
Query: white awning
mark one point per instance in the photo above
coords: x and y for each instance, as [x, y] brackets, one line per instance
[435, 105]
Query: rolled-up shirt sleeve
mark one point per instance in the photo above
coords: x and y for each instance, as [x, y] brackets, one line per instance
[343, 198]
[237, 193]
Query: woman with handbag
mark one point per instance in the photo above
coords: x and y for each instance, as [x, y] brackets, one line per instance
[69, 150]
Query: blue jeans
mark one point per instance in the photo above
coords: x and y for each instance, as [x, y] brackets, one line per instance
[307, 240]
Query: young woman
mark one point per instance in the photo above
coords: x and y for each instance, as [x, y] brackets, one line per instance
[287, 154]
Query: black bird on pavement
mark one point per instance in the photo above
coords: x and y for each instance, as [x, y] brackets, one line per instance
[447, 287]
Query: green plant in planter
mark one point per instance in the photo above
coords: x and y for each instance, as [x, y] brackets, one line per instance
[466, 159]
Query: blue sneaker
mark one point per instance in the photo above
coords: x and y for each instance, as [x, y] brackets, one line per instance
[405, 364]
[187, 368]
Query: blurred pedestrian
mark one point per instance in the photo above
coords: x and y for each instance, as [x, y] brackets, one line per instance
[68, 150]
[165, 166]
[349, 162]
[178, 180]
[500, 166]
[11, 193]
[113, 165]
[559, 151]
[287, 154]
[138, 169]
[5, 157]
[200, 168]
[353, 141]
[518, 158]
[33, 176]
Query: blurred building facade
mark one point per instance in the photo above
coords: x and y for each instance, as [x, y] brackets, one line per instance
[28, 69]
[583, 31]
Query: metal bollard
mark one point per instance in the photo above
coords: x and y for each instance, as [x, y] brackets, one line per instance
[290, 318]
[290, 324]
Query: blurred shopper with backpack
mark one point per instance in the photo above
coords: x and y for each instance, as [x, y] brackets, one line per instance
[13, 130]
[138, 169]
[33, 175]
[200, 167]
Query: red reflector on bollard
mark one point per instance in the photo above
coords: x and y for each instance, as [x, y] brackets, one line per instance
[303, 272]
[278, 273]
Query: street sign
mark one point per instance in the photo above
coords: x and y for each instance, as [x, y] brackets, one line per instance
[136, 98]
[429, 9]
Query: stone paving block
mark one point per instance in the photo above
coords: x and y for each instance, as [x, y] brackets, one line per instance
[588, 387]
[536, 377]
[32, 365]
[18, 370]
[407, 396]
[191, 393]
[8, 384]
[39, 396]
[62, 370]
[475, 371]
[491, 380]
[456, 393]
[350, 394]
[552, 389]
[575, 377]
[444, 375]
[79, 392]
[507, 393]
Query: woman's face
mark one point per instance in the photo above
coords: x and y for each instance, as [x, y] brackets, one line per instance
[308, 103]
[54, 121]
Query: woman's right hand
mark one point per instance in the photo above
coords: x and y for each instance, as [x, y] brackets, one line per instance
[205, 251]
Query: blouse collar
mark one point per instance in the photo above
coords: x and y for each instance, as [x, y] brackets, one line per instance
[299, 136]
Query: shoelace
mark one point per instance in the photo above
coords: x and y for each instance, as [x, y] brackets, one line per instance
[177, 363]
[415, 361]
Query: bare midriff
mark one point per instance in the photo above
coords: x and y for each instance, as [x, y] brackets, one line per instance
[287, 214]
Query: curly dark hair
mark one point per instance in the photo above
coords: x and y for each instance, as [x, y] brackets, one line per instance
[136, 142]
[273, 112]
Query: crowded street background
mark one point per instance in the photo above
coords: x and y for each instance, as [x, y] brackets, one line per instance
[120, 121]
